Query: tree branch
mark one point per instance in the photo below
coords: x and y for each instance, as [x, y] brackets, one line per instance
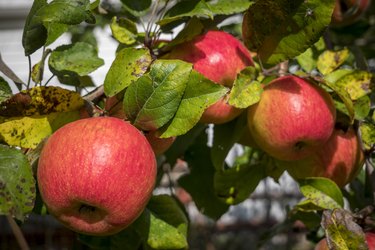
[10, 74]
[18, 233]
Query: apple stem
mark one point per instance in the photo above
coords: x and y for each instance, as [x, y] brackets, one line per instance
[18, 233]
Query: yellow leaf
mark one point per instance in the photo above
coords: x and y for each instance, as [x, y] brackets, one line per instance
[328, 61]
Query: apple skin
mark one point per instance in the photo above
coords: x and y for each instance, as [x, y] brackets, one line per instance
[347, 12]
[292, 118]
[159, 145]
[339, 159]
[370, 238]
[96, 175]
[220, 57]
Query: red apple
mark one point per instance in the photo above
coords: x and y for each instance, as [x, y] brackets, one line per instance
[96, 175]
[218, 56]
[159, 145]
[347, 12]
[292, 118]
[370, 238]
[339, 159]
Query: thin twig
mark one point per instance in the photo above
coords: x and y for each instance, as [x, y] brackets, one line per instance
[18, 233]
[95, 94]
[30, 69]
[10, 74]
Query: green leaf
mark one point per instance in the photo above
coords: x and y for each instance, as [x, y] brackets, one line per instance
[368, 134]
[342, 232]
[357, 83]
[191, 8]
[321, 192]
[329, 60]
[17, 184]
[129, 65]
[73, 79]
[124, 30]
[192, 28]
[29, 131]
[137, 8]
[235, 184]
[246, 90]
[308, 59]
[225, 135]
[287, 28]
[362, 107]
[153, 100]
[46, 22]
[5, 90]
[199, 183]
[41, 101]
[228, 7]
[78, 58]
[199, 94]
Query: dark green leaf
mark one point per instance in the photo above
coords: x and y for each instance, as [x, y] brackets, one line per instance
[191, 8]
[199, 94]
[322, 192]
[235, 184]
[129, 65]
[342, 232]
[287, 28]
[246, 89]
[46, 22]
[138, 7]
[153, 99]
[17, 184]
[124, 30]
[200, 182]
[192, 28]
[5, 90]
[79, 58]
[228, 7]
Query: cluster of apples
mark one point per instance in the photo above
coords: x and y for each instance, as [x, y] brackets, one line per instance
[96, 184]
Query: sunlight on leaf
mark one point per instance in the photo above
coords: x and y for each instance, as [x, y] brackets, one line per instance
[328, 61]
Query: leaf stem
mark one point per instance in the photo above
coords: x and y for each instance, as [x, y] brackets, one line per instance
[18, 233]
[10, 74]
[29, 78]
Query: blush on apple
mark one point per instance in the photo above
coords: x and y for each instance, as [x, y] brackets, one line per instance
[220, 57]
[292, 118]
[96, 175]
[339, 159]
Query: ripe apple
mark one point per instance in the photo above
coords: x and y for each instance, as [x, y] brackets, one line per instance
[96, 175]
[218, 56]
[370, 238]
[347, 12]
[292, 118]
[159, 145]
[339, 159]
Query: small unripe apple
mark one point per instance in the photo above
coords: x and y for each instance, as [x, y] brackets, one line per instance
[339, 159]
[370, 238]
[220, 57]
[159, 145]
[292, 118]
[96, 175]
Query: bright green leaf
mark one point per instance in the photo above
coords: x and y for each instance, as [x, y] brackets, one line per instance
[287, 28]
[79, 58]
[199, 94]
[322, 192]
[308, 59]
[153, 99]
[124, 30]
[138, 7]
[199, 183]
[129, 65]
[368, 134]
[29, 131]
[197, 8]
[228, 7]
[235, 184]
[246, 89]
[17, 184]
[342, 232]
[362, 107]
[5, 90]
[329, 60]
[41, 101]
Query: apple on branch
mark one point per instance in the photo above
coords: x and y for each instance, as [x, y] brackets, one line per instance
[292, 119]
[96, 175]
[339, 159]
[220, 57]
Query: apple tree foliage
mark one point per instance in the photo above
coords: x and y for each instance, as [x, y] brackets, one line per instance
[170, 96]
